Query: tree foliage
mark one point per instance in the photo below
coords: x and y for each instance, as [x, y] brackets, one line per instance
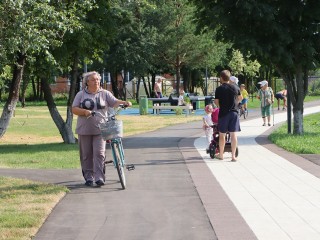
[285, 33]
[144, 38]
[241, 65]
[29, 28]
[179, 44]
[237, 62]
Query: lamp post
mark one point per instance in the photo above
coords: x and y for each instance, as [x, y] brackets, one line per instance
[85, 67]
[206, 87]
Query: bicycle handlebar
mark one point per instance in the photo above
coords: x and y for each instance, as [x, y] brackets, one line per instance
[120, 107]
[123, 106]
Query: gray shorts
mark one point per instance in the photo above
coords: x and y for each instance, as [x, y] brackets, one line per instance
[229, 123]
[266, 111]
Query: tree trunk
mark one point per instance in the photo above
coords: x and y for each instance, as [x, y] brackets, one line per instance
[145, 88]
[64, 129]
[23, 91]
[23, 98]
[34, 89]
[122, 90]
[178, 73]
[11, 103]
[298, 122]
[138, 89]
[73, 88]
[114, 83]
[184, 73]
[153, 82]
[297, 87]
[38, 90]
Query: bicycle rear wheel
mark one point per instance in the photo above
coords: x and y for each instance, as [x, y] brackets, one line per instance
[245, 113]
[118, 162]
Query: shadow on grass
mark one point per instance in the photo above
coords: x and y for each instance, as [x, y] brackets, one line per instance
[46, 147]
[32, 188]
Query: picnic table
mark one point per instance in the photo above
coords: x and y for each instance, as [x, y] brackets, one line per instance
[174, 100]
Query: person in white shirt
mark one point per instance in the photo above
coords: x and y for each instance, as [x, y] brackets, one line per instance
[181, 98]
[207, 123]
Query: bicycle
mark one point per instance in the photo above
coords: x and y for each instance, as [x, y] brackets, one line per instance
[242, 112]
[112, 132]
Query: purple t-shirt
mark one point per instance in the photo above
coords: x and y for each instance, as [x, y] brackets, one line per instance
[99, 102]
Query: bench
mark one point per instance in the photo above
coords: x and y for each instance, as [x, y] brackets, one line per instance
[157, 108]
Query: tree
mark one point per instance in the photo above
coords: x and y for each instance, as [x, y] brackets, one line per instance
[179, 43]
[244, 66]
[156, 35]
[135, 46]
[84, 45]
[284, 33]
[237, 63]
[30, 27]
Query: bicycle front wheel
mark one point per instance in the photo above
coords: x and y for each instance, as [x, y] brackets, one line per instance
[119, 163]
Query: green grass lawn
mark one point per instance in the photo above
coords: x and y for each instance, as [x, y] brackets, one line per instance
[24, 206]
[308, 143]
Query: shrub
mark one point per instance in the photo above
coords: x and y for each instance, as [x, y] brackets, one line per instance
[178, 111]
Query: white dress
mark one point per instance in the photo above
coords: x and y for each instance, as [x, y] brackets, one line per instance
[208, 130]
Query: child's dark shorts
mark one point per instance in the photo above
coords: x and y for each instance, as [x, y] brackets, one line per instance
[229, 123]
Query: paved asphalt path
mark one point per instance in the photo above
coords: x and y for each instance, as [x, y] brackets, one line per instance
[160, 202]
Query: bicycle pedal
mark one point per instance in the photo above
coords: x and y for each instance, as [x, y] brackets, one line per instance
[131, 167]
[106, 162]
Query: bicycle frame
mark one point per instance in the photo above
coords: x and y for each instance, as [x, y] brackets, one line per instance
[116, 149]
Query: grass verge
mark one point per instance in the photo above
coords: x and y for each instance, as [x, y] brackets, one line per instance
[24, 206]
[33, 141]
[308, 143]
